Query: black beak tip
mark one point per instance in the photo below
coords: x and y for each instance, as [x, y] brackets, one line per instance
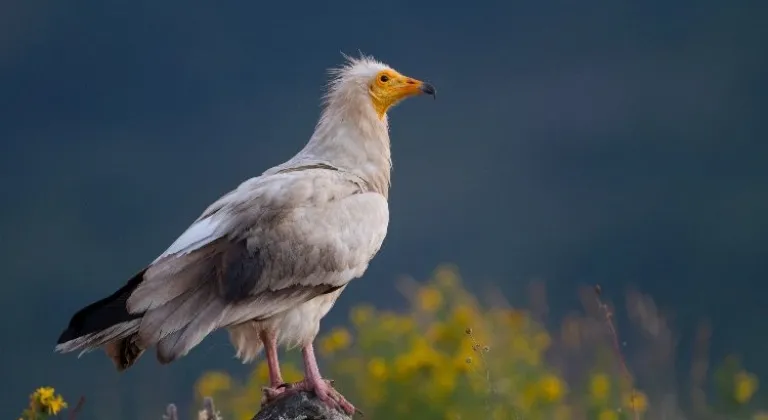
[428, 89]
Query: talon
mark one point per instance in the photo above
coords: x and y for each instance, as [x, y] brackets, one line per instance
[270, 394]
[324, 392]
[272, 391]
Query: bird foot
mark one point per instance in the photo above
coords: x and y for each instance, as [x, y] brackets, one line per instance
[323, 390]
[271, 393]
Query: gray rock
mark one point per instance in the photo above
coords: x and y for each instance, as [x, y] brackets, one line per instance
[299, 406]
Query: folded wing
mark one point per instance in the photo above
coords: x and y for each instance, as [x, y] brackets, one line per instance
[273, 243]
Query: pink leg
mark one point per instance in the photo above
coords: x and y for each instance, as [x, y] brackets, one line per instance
[315, 383]
[270, 348]
[276, 385]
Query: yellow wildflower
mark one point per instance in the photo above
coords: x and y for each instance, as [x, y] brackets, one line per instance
[360, 315]
[464, 315]
[459, 363]
[403, 366]
[429, 299]
[745, 385]
[423, 352]
[338, 339]
[55, 405]
[43, 395]
[214, 382]
[444, 380]
[342, 338]
[45, 398]
[377, 368]
[551, 387]
[760, 415]
[608, 414]
[420, 356]
[599, 386]
[636, 401]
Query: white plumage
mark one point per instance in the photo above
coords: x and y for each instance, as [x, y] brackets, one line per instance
[268, 260]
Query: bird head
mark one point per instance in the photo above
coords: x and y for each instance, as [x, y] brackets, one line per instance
[383, 86]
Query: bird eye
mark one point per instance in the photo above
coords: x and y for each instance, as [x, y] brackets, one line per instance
[384, 78]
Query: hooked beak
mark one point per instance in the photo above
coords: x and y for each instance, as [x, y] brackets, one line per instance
[410, 87]
[428, 89]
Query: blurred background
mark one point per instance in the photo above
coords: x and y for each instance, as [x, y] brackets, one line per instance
[571, 143]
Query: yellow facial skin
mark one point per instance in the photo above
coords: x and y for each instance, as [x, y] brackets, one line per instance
[390, 87]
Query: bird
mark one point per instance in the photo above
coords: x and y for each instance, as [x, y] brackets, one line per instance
[268, 260]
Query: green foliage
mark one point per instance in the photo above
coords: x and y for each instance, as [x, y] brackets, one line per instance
[449, 356]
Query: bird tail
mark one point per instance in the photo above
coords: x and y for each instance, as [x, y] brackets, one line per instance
[246, 339]
[108, 324]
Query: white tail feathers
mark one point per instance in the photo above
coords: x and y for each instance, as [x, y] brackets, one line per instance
[95, 340]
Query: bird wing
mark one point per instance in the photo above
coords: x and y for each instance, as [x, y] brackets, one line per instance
[273, 243]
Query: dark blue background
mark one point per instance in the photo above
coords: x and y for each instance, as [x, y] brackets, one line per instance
[577, 142]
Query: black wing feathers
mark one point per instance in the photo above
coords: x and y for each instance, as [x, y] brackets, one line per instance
[238, 271]
[104, 313]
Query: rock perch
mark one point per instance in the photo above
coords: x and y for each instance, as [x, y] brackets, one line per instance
[299, 406]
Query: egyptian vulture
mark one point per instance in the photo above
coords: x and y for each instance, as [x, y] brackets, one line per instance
[268, 260]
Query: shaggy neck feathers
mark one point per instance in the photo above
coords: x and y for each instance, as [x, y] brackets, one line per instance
[349, 134]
